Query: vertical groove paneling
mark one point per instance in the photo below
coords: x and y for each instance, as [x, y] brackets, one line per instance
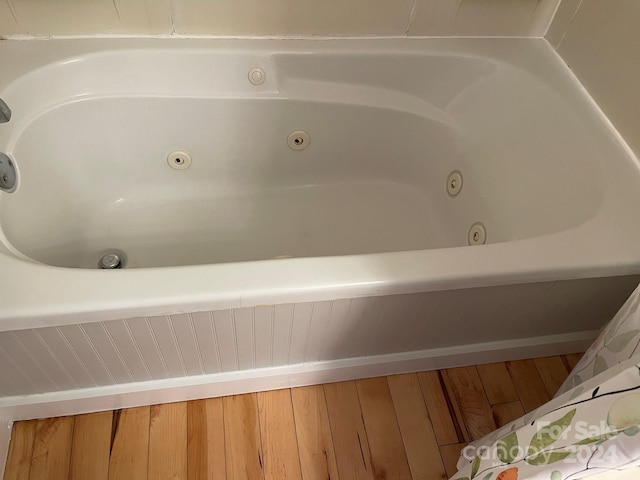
[87, 353]
[245, 338]
[335, 327]
[223, 330]
[45, 361]
[263, 336]
[141, 349]
[187, 344]
[317, 330]
[203, 324]
[389, 327]
[29, 366]
[66, 356]
[105, 344]
[14, 377]
[282, 333]
[10, 383]
[300, 332]
[164, 337]
[352, 339]
[146, 345]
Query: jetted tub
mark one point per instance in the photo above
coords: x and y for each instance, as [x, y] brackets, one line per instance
[102, 131]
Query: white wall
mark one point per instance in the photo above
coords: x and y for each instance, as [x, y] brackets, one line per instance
[600, 41]
[277, 17]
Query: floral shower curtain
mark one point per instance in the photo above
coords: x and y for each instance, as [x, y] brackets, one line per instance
[592, 426]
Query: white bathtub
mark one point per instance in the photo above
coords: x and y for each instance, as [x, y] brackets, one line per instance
[261, 256]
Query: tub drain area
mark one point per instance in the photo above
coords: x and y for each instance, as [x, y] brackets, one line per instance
[111, 261]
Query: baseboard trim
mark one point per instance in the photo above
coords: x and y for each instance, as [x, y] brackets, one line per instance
[73, 402]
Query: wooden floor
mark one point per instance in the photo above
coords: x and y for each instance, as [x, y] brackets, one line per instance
[408, 426]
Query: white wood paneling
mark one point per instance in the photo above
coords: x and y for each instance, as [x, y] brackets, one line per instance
[135, 350]
[206, 338]
[245, 338]
[225, 340]
[302, 313]
[114, 343]
[87, 354]
[146, 345]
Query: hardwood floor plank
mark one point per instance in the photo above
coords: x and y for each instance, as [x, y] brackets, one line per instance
[130, 444]
[450, 455]
[528, 383]
[467, 393]
[18, 464]
[168, 441]
[573, 359]
[353, 456]
[91, 447]
[52, 449]
[553, 372]
[315, 443]
[243, 449]
[205, 440]
[419, 439]
[281, 459]
[497, 383]
[388, 458]
[504, 413]
[438, 408]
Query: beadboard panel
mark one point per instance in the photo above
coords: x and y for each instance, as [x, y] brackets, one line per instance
[175, 346]
[276, 17]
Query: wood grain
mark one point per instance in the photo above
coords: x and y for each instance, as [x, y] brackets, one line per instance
[417, 432]
[315, 443]
[450, 455]
[528, 383]
[572, 359]
[468, 393]
[353, 456]
[497, 383]
[553, 372]
[205, 440]
[91, 447]
[388, 458]
[438, 408]
[504, 413]
[243, 450]
[278, 433]
[168, 441]
[18, 464]
[52, 449]
[130, 444]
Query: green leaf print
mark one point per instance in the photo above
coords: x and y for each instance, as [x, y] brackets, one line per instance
[488, 476]
[599, 366]
[617, 344]
[549, 434]
[475, 466]
[597, 438]
[507, 448]
[545, 458]
[632, 431]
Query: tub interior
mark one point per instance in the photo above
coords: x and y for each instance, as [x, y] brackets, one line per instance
[385, 132]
